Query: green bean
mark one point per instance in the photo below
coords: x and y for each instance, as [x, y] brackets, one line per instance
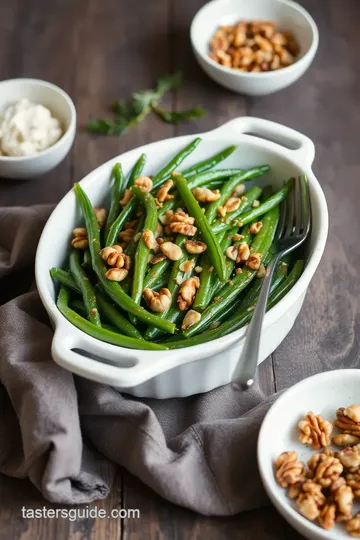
[206, 177]
[86, 259]
[98, 332]
[64, 278]
[209, 163]
[238, 320]
[229, 292]
[251, 195]
[113, 289]
[154, 274]
[230, 185]
[267, 205]
[170, 167]
[117, 191]
[137, 170]
[162, 281]
[113, 315]
[213, 246]
[142, 251]
[87, 291]
[130, 249]
[79, 307]
[116, 227]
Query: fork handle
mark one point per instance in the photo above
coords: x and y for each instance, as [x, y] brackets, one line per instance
[244, 372]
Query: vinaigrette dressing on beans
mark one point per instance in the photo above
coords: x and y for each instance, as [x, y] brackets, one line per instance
[27, 128]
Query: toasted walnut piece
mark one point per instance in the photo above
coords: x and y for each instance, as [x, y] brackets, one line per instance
[315, 430]
[255, 204]
[327, 516]
[232, 204]
[183, 228]
[327, 470]
[101, 215]
[116, 274]
[353, 526]
[275, 63]
[255, 227]
[307, 506]
[353, 480]
[286, 58]
[205, 195]
[137, 236]
[346, 424]
[149, 239]
[237, 237]
[131, 224]
[80, 240]
[195, 246]
[166, 218]
[295, 489]
[163, 193]
[114, 256]
[243, 252]
[191, 318]
[179, 279]
[172, 251]
[221, 211]
[352, 412]
[144, 183]
[128, 194]
[289, 470]
[239, 190]
[187, 266]
[344, 499]
[254, 261]
[182, 217]
[159, 231]
[238, 271]
[187, 292]
[158, 259]
[232, 252]
[127, 235]
[261, 273]
[350, 458]
[345, 439]
[157, 301]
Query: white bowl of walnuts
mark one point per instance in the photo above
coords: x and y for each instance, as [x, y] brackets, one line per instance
[309, 455]
[254, 47]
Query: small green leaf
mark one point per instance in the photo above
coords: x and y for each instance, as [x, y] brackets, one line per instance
[179, 116]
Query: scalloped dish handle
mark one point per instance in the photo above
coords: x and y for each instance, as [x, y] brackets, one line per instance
[294, 143]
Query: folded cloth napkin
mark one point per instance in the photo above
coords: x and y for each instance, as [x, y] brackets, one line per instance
[67, 433]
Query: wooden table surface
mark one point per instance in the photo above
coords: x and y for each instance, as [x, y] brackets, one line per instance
[98, 50]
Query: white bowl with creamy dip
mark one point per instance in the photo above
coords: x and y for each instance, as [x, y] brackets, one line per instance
[37, 127]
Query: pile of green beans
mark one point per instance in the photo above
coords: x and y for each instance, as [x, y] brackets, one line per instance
[225, 290]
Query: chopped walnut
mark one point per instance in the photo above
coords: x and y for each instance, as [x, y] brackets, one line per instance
[345, 439]
[353, 526]
[350, 458]
[137, 236]
[315, 430]
[295, 489]
[80, 240]
[182, 217]
[254, 261]
[182, 228]
[187, 266]
[344, 499]
[232, 252]
[131, 224]
[101, 215]
[352, 412]
[191, 318]
[116, 274]
[159, 231]
[157, 259]
[238, 271]
[157, 301]
[324, 469]
[198, 269]
[128, 194]
[166, 218]
[149, 239]
[114, 256]
[255, 227]
[261, 273]
[195, 246]
[239, 190]
[126, 236]
[308, 506]
[243, 252]
[206, 195]
[346, 424]
[144, 183]
[231, 205]
[187, 292]
[172, 251]
[255, 204]
[163, 193]
[289, 470]
[327, 516]
[237, 237]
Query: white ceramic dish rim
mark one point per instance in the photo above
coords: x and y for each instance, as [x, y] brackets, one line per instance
[268, 477]
[254, 75]
[65, 135]
[158, 362]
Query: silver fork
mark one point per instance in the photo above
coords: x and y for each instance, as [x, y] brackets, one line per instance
[293, 229]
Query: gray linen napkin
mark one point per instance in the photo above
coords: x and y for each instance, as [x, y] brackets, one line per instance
[66, 433]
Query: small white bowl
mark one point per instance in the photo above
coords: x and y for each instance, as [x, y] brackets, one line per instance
[322, 394]
[287, 15]
[62, 107]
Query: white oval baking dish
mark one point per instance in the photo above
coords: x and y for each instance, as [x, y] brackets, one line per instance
[182, 372]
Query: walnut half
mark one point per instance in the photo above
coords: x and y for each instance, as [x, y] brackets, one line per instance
[315, 430]
[289, 469]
